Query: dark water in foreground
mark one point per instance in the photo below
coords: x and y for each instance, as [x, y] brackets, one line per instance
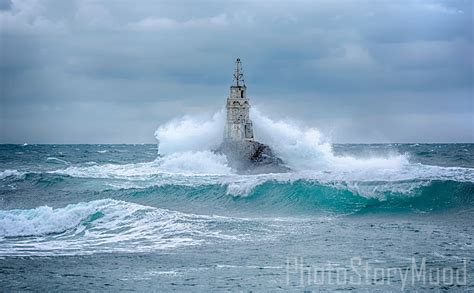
[109, 217]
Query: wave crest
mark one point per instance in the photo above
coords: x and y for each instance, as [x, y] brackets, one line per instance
[91, 226]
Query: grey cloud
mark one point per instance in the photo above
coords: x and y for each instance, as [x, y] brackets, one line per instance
[5, 4]
[337, 60]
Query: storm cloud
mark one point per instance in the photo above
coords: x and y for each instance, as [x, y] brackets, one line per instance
[112, 71]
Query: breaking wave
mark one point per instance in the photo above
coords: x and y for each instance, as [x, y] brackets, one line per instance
[186, 159]
[320, 180]
[89, 227]
[414, 188]
[312, 197]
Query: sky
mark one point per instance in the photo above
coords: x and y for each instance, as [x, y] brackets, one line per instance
[113, 71]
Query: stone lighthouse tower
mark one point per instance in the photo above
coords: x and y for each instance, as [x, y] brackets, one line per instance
[238, 126]
[243, 152]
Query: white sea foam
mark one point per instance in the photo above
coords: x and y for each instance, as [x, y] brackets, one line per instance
[366, 182]
[43, 220]
[54, 159]
[102, 226]
[243, 186]
[8, 173]
[203, 163]
[185, 163]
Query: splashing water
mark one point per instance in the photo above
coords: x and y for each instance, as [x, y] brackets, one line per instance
[191, 133]
[88, 225]
[186, 210]
[186, 159]
[300, 148]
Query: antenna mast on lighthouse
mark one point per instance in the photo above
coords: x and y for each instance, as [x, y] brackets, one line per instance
[238, 75]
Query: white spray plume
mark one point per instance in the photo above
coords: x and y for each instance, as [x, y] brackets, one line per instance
[306, 148]
[191, 133]
[301, 148]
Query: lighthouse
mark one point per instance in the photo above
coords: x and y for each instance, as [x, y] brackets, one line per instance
[244, 154]
[238, 126]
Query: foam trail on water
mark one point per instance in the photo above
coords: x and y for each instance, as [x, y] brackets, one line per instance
[10, 173]
[102, 226]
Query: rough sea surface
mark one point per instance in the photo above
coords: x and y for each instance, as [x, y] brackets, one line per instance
[110, 217]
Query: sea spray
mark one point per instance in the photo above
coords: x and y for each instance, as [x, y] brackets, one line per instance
[188, 167]
[191, 133]
[306, 148]
[186, 159]
[301, 148]
[197, 162]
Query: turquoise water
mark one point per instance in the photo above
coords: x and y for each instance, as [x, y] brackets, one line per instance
[109, 217]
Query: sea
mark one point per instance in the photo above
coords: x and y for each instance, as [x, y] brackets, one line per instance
[173, 216]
